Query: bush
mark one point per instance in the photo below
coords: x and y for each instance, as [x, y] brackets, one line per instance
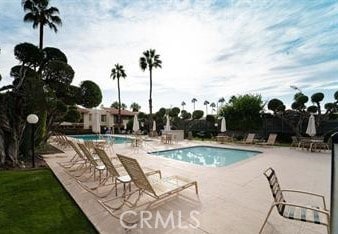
[210, 118]
[174, 112]
[130, 124]
[243, 112]
[185, 115]
[201, 126]
[141, 116]
[197, 114]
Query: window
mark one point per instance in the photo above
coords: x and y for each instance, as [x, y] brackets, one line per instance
[81, 118]
[103, 118]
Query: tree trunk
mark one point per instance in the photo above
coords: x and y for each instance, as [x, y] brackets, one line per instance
[41, 37]
[13, 150]
[2, 148]
[319, 117]
[150, 102]
[119, 115]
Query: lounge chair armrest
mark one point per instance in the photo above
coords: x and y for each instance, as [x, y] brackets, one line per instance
[306, 193]
[325, 212]
[154, 173]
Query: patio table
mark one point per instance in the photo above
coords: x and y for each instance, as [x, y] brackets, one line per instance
[136, 142]
[222, 139]
[167, 138]
[305, 143]
[312, 144]
[318, 144]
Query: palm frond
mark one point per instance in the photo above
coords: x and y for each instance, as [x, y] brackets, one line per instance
[52, 11]
[123, 74]
[35, 24]
[30, 17]
[146, 53]
[52, 26]
[157, 63]
[56, 19]
[42, 4]
[113, 73]
[143, 63]
[28, 5]
[152, 52]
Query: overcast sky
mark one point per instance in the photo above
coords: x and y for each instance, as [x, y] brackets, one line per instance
[209, 49]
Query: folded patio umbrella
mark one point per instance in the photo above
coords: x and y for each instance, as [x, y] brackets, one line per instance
[311, 126]
[136, 125]
[223, 125]
[154, 125]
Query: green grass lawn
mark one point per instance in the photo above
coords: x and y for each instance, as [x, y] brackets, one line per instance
[34, 201]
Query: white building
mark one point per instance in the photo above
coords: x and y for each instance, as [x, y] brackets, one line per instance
[103, 117]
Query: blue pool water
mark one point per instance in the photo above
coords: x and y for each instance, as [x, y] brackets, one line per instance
[107, 137]
[207, 156]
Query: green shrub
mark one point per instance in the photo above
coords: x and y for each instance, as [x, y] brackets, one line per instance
[197, 114]
[210, 118]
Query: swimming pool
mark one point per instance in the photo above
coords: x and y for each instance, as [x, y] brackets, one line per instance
[107, 137]
[207, 155]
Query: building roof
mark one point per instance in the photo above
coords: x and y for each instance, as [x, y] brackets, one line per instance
[114, 111]
[82, 110]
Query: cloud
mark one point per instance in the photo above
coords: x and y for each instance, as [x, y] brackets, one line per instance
[209, 49]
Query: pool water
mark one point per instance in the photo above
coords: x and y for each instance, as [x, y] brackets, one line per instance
[207, 155]
[107, 137]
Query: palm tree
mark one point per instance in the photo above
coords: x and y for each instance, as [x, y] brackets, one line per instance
[183, 104]
[194, 100]
[150, 60]
[221, 100]
[206, 103]
[135, 107]
[116, 73]
[115, 105]
[212, 105]
[40, 15]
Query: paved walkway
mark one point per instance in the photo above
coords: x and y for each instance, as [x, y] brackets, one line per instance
[232, 199]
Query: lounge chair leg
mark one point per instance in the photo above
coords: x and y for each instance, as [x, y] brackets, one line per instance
[115, 188]
[196, 188]
[266, 219]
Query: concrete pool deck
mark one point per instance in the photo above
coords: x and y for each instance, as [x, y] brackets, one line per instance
[232, 199]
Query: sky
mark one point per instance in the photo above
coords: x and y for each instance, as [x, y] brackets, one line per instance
[209, 49]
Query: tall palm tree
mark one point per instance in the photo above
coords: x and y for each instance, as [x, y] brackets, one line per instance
[206, 103]
[116, 73]
[150, 60]
[194, 100]
[221, 100]
[183, 104]
[40, 15]
[212, 105]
